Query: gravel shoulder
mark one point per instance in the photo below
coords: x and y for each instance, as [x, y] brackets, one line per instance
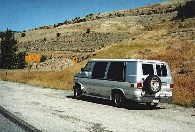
[55, 110]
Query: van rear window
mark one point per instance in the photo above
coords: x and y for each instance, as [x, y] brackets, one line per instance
[158, 70]
[161, 70]
[147, 69]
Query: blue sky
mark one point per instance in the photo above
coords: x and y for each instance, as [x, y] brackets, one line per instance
[19, 15]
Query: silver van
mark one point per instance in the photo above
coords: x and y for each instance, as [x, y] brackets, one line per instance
[143, 81]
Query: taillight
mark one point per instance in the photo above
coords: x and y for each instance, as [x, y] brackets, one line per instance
[139, 85]
[172, 86]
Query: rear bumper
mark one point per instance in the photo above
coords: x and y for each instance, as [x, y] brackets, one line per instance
[143, 97]
[166, 99]
[146, 99]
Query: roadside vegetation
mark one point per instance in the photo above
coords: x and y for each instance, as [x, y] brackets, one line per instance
[10, 58]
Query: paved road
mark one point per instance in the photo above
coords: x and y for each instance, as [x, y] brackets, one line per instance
[8, 126]
[55, 110]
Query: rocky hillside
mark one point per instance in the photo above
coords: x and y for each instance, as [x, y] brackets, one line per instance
[82, 37]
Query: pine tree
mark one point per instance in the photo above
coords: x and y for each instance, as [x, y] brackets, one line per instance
[21, 60]
[8, 50]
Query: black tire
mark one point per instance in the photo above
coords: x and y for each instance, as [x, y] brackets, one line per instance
[77, 93]
[118, 99]
[150, 106]
[152, 84]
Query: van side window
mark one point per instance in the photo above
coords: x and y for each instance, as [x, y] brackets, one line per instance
[88, 66]
[116, 71]
[99, 70]
[147, 69]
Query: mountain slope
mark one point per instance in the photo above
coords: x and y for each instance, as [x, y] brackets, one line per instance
[83, 36]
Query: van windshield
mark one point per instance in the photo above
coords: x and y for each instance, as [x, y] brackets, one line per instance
[88, 66]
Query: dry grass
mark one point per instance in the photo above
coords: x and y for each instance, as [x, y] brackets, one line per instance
[44, 79]
[184, 92]
[52, 79]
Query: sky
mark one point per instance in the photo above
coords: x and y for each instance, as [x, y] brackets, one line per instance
[20, 15]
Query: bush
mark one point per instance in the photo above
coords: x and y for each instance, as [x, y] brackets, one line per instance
[43, 58]
[58, 34]
[186, 11]
[186, 68]
[193, 103]
[88, 30]
[23, 35]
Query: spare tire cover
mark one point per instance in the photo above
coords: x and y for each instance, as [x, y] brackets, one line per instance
[152, 84]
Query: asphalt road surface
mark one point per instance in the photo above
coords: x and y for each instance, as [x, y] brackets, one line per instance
[8, 126]
[55, 110]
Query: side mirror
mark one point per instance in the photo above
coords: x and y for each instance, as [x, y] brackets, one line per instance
[82, 69]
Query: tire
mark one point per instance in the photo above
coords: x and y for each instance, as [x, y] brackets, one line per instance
[77, 93]
[118, 99]
[152, 84]
[150, 106]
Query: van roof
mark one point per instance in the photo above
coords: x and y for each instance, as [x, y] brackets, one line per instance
[132, 60]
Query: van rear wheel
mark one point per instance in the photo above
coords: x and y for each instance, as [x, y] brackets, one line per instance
[151, 106]
[118, 99]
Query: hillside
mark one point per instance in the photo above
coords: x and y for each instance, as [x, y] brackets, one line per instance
[84, 36]
[163, 31]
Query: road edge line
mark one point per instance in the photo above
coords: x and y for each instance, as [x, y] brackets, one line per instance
[24, 125]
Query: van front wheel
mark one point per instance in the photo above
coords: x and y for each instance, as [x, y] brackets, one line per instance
[77, 93]
[118, 99]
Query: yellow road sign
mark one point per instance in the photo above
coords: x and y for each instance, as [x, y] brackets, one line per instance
[33, 58]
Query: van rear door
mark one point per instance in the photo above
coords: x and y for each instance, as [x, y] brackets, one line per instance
[162, 70]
